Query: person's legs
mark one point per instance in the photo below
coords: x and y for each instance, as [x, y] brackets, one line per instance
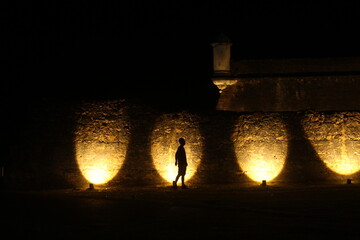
[175, 182]
[177, 178]
[183, 182]
[182, 171]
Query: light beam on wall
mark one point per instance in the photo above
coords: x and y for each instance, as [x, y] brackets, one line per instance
[261, 146]
[336, 139]
[99, 162]
[101, 141]
[164, 140]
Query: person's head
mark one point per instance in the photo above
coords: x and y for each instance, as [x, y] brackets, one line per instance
[182, 141]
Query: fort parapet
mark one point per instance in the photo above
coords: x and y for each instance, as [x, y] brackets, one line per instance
[275, 85]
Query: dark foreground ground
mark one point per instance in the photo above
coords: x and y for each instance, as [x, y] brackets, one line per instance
[216, 212]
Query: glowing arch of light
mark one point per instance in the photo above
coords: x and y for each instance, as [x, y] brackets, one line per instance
[335, 137]
[261, 145]
[164, 140]
[101, 142]
[99, 162]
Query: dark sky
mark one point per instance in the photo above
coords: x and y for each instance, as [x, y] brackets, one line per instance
[157, 51]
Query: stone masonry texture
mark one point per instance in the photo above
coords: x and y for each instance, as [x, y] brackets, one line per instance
[313, 144]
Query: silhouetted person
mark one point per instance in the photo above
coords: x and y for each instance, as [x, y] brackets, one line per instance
[180, 161]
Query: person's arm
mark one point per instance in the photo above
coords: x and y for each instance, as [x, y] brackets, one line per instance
[185, 159]
[176, 157]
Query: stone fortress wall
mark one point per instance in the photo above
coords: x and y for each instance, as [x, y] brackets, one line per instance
[121, 143]
[284, 120]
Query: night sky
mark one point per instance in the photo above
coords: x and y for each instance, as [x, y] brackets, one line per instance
[157, 51]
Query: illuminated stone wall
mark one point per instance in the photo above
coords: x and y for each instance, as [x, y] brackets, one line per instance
[119, 143]
[261, 144]
[336, 139]
[167, 130]
[316, 144]
[101, 140]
